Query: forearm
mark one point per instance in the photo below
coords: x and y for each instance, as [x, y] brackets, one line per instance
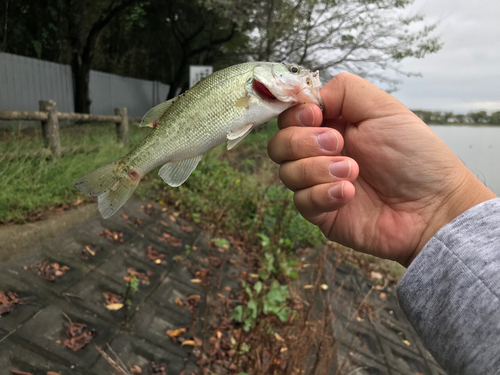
[451, 292]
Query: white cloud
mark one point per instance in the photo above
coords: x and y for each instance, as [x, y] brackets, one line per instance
[465, 74]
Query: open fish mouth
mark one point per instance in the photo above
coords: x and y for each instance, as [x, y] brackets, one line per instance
[262, 91]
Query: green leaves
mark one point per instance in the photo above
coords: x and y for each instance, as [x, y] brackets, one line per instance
[263, 300]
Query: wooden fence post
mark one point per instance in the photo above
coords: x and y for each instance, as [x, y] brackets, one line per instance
[122, 127]
[50, 127]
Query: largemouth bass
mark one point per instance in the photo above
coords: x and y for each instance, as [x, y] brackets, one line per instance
[226, 105]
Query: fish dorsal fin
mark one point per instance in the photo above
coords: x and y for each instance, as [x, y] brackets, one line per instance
[236, 135]
[155, 113]
[176, 173]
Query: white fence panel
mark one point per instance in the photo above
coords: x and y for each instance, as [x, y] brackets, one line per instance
[24, 81]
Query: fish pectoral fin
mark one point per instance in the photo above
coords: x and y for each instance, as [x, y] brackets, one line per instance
[155, 113]
[236, 135]
[176, 173]
[242, 102]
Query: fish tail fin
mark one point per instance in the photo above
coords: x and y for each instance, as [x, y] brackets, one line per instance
[112, 186]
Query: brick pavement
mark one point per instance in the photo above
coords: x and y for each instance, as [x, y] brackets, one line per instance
[29, 334]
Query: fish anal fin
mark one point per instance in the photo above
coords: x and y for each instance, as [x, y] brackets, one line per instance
[152, 117]
[175, 173]
[236, 135]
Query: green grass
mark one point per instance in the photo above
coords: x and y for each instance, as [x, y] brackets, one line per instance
[32, 183]
[231, 192]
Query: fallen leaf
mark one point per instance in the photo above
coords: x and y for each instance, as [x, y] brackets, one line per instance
[135, 370]
[376, 275]
[163, 223]
[78, 336]
[176, 332]
[8, 302]
[50, 271]
[148, 209]
[158, 369]
[112, 235]
[308, 286]
[111, 298]
[194, 297]
[196, 281]
[52, 373]
[114, 306]
[17, 372]
[124, 216]
[383, 295]
[155, 256]
[406, 342]
[188, 342]
[359, 319]
[89, 251]
[187, 228]
[171, 240]
[324, 286]
[178, 302]
[172, 218]
[140, 275]
[278, 337]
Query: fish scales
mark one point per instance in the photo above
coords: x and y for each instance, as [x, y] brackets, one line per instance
[225, 105]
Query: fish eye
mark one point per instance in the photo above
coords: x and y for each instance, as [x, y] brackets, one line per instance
[294, 69]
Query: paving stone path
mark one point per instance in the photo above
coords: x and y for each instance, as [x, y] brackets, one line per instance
[29, 335]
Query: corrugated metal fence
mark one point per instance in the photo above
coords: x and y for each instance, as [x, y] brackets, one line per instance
[24, 81]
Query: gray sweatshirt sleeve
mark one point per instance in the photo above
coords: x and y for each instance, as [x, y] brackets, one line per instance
[451, 292]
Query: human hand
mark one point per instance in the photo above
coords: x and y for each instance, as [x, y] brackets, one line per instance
[369, 172]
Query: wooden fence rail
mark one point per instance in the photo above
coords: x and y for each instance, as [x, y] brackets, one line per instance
[49, 117]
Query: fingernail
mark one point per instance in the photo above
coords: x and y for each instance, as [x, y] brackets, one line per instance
[328, 141]
[306, 116]
[337, 191]
[341, 169]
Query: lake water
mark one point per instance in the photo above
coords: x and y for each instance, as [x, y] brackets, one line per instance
[478, 147]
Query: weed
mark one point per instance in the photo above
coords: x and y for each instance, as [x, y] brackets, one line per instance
[30, 183]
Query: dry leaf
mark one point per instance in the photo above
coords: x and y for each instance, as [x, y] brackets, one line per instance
[176, 332]
[376, 275]
[278, 337]
[383, 295]
[188, 342]
[308, 286]
[178, 302]
[196, 281]
[359, 319]
[52, 373]
[171, 217]
[135, 370]
[17, 372]
[114, 306]
[324, 286]
[406, 342]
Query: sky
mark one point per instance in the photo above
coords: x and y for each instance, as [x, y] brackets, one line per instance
[464, 75]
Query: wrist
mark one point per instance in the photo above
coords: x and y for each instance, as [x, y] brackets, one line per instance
[467, 194]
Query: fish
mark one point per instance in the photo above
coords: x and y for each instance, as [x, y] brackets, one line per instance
[224, 106]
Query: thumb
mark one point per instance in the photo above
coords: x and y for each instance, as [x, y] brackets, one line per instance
[355, 99]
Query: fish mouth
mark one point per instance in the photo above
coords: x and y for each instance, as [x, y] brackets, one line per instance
[262, 91]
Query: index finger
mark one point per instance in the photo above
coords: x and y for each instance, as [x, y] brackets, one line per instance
[301, 115]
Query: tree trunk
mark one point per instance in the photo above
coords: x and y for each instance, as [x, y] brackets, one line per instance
[81, 74]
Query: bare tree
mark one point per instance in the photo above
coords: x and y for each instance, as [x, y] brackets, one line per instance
[365, 37]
